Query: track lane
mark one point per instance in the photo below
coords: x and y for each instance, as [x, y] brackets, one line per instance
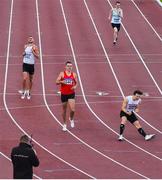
[5, 166]
[4, 9]
[149, 8]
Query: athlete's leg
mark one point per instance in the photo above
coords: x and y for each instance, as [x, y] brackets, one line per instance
[25, 84]
[31, 81]
[25, 77]
[72, 108]
[122, 124]
[115, 34]
[64, 109]
[139, 128]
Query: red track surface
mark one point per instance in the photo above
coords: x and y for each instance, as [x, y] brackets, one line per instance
[95, 149]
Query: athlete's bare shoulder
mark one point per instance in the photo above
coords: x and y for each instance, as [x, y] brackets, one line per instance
[61, 74]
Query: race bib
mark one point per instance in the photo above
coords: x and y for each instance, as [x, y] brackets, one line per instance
[27, 56]
[68, 81]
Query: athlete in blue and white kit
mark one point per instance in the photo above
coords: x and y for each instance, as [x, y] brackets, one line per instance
[115, 15]
[30, 52]
[129, 106]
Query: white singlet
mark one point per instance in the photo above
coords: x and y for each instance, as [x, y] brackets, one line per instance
[116, 19]
[29, 56]
[132, 105]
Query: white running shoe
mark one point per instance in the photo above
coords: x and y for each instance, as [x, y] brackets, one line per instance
[21, 91]
[28, 96]
[149, 137]
[121, 138]
[64, 127]
[72, 123]
[23, 95]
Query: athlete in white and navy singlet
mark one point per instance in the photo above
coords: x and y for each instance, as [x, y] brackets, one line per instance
[29, 56]
[129, 106]
[116, 18]
[115, 15]
[30, 52]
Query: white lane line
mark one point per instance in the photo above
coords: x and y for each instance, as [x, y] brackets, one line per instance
[67, 143]
[10, 161]
[117, 84]
[147, 20]
[57, 170]
[5, 87]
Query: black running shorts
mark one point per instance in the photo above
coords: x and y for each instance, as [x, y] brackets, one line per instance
[65, 97]
[131, 118]
[116, 25]
[29, 68]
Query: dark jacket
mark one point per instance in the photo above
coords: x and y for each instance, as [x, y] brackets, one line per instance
[23, 159]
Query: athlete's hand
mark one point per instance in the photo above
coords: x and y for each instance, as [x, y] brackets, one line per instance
[129, 113]
[74, 87]
[63, 82]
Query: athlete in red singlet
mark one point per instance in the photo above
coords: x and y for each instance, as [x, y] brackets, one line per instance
[68, 82]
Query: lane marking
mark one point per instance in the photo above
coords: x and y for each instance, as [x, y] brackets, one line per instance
[57, 170]
[67, 143]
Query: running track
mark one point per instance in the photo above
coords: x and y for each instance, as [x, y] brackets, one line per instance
[79, 30]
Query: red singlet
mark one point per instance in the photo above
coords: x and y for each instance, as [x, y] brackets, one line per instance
[69, 83]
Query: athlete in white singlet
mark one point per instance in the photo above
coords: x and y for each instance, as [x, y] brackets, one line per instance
[129, 106]
[30, 52]
[115, 15]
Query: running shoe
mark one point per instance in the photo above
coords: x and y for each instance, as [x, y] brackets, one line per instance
[64, 127]
[72, 123]
[149, 137]
[121, 138]
[21, 91]
[28, 96]
[23, 95]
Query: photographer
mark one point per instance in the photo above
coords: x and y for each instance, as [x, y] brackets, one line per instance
[23, 159]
